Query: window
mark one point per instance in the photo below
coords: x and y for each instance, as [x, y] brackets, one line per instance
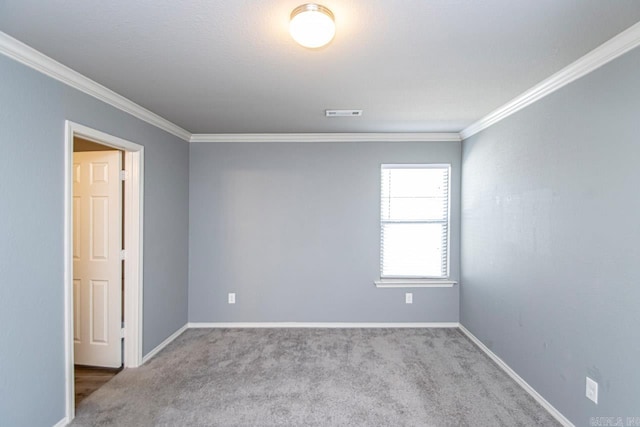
[414, 221]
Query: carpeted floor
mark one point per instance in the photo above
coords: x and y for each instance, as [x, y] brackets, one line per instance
[314, 377]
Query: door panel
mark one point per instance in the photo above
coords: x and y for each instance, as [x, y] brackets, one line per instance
[76, 228]
[98, 315]
[99, 228]
[97, 240]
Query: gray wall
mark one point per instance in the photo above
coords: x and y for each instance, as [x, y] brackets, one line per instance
[550, 231]
[293, 229]
[33, 109]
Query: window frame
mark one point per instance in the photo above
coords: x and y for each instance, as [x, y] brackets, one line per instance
[409, 280]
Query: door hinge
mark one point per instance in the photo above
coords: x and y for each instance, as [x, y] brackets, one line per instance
[124, 175]
[123, 254]
[122, 333]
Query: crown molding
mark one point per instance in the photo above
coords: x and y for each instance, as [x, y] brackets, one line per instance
[606, 52]
[30, 57]
[325, 137]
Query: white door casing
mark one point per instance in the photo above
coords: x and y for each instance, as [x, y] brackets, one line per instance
[133, 237]
[97, 274]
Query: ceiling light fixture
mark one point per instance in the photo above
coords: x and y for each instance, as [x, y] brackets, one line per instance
[312, 25]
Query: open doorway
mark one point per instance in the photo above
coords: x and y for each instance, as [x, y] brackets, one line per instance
[98, 264]
[103, 258]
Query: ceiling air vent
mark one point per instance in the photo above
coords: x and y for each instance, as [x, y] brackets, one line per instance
[343, 113]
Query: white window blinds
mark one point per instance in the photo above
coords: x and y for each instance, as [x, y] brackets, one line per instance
[414, 221]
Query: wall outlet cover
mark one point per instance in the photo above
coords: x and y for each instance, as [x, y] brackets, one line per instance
[408, 298]
[232, 298]
[592, 390]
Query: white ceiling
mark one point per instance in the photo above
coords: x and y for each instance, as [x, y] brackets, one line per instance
[215, 66]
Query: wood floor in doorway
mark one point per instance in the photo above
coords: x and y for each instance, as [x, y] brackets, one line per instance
[89, 379]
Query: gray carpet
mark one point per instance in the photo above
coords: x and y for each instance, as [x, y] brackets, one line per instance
[314, 377]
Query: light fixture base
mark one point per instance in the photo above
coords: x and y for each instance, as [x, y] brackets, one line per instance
[311, 7]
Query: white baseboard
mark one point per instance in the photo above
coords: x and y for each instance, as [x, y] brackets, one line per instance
[63, 422]
[163, 344]
[322, 325]
[501, 363]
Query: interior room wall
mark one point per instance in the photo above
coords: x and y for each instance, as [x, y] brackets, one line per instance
[81, 144]
[293, 229]
[550, 235]
[33, 110]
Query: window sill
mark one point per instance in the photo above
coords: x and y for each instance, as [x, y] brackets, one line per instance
[415, 283]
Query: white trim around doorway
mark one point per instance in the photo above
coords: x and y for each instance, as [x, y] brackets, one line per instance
[133, 238]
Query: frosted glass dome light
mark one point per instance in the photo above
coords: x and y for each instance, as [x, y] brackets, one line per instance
[312, 25]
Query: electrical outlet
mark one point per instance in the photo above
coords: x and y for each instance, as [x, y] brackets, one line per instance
[232, 298]
[592, 390]
[408, 298]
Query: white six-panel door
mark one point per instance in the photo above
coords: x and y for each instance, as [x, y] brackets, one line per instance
[97, 242]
